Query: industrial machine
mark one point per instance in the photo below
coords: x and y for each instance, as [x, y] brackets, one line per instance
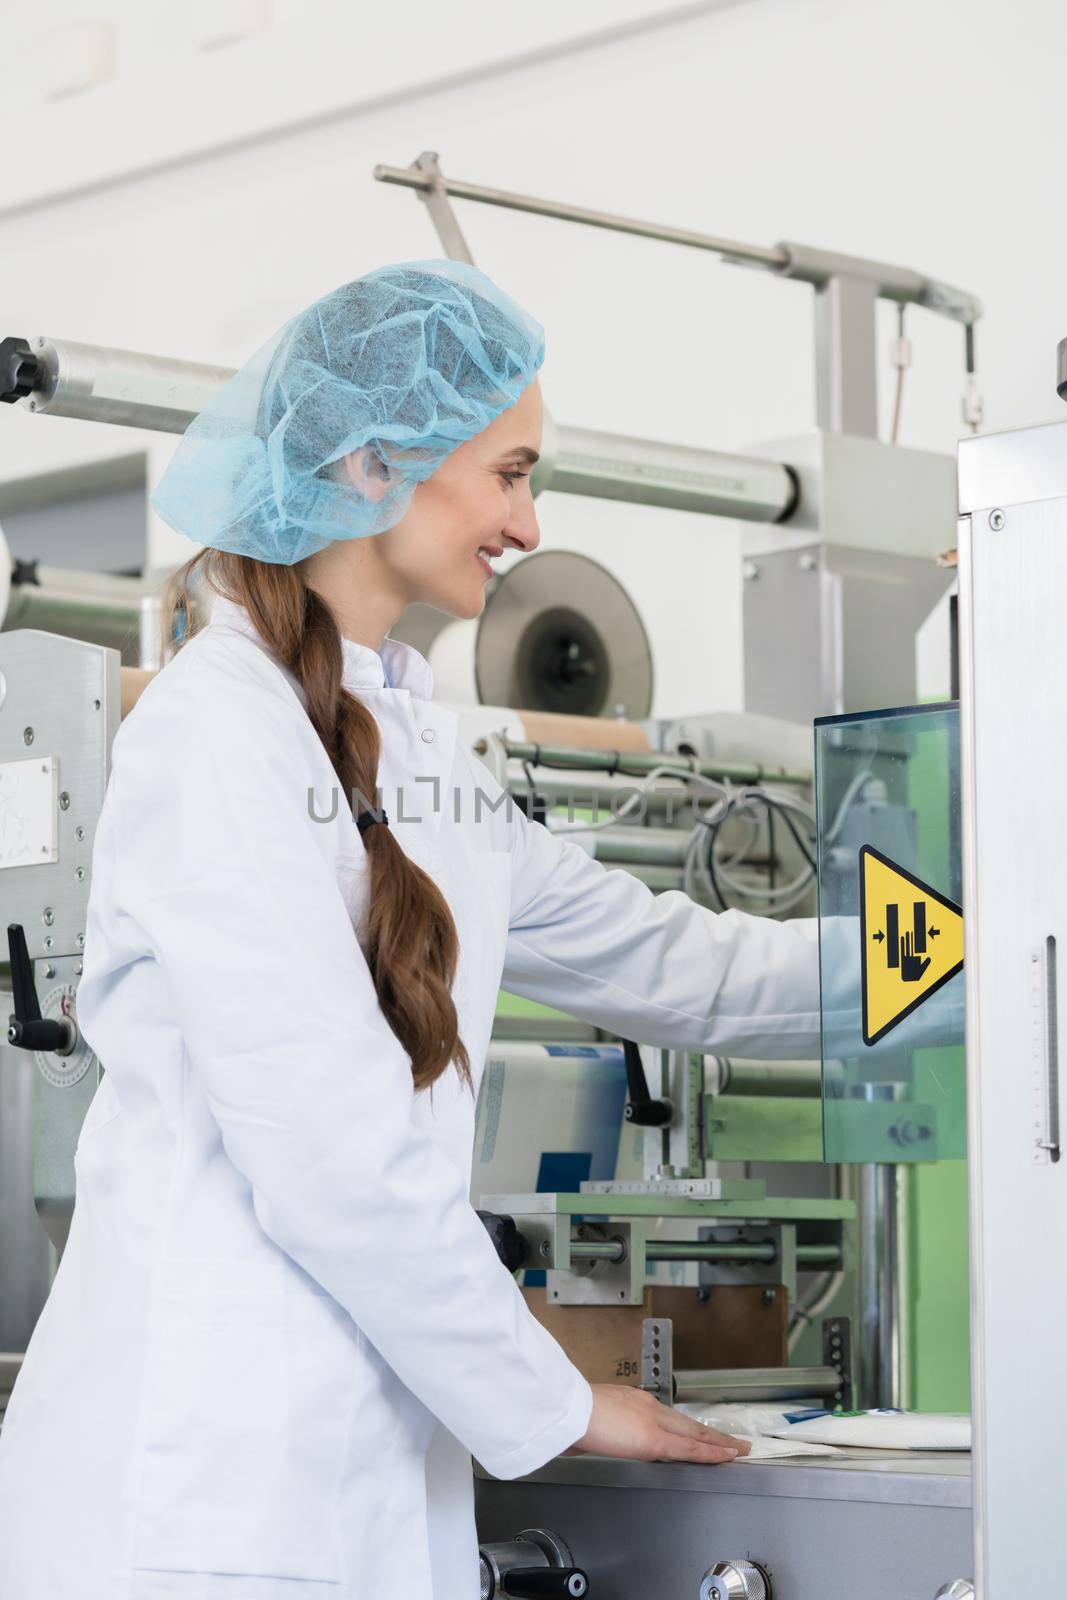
[715, 1231]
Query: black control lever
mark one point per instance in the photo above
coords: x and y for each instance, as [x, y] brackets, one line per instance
[532, 1583]
[507, 1240]
[27, 1029]
[641, 1109]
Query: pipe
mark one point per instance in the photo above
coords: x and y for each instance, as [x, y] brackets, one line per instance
[810, 1257]
[616, 761]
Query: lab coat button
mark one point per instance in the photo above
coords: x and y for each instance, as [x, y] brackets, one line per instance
[427, 736]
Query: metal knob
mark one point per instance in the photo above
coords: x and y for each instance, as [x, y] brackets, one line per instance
[535, 1563]
[958, 1589]
[735, 1580]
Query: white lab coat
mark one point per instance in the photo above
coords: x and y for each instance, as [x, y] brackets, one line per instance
[279, 1330]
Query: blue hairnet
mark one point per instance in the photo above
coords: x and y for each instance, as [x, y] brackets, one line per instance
[410, 360]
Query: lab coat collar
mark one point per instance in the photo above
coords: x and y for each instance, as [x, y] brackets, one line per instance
[363, 668]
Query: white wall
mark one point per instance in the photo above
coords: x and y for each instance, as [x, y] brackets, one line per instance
[195, 199]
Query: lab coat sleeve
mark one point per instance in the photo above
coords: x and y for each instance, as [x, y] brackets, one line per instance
[661, 969]
[223, 877]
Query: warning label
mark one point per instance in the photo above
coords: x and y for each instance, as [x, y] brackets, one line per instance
[912, 942]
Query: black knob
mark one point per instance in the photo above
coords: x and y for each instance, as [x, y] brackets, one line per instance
[508, 1242]
[534, 1583]
[641, 1109]
[27, 1029]
[20, 371]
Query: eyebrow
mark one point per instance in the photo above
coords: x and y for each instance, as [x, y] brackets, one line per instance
[523, 451]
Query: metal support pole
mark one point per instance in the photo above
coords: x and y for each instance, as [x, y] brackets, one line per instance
[879, 1291]
[846, 356]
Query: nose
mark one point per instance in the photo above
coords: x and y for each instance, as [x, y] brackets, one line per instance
[522, 530]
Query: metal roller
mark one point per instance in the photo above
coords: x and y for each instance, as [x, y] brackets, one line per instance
[58, 377]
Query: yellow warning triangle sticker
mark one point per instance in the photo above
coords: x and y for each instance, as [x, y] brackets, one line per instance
[912, 942]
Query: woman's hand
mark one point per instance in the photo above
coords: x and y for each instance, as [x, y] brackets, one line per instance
[633, 1424]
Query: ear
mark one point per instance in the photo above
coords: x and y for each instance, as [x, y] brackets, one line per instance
[365, 470]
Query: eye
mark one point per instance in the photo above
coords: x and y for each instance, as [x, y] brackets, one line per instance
[511, 477]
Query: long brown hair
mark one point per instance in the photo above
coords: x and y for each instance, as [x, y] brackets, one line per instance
[409, 935]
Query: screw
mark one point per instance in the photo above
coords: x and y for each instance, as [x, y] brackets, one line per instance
[997, 519]
[546, 1248]
[96, 705]
[79, 832]
[48, 916]
[808, 563]
[78, 969]
[40, 344]
[750, 570]
[49, 943]
[27, 735]
[79, 873]
[80, 940]
[64, 801]
[768, 1297]
[50, 971]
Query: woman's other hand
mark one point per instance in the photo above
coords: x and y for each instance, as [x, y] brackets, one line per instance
[633, 1424]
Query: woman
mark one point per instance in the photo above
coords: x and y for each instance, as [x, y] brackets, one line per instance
[279, 1329]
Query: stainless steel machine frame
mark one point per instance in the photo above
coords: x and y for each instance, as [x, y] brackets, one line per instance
[1013, 575]
[881, 1527]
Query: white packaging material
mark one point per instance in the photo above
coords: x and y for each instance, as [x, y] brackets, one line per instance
[883, 1430]
[754, 1424]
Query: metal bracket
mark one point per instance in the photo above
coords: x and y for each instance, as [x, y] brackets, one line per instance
[657, 1358]
[602, 1283]
[435, 198]
[837, 1353]
[782, 1269]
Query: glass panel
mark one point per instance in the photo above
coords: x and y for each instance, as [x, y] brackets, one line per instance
[891, 935]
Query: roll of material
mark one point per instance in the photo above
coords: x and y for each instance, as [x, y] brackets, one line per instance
[549, 1117]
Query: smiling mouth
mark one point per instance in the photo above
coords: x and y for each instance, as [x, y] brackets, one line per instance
[483, 556]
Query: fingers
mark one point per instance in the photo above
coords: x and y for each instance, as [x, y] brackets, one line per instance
[678, 1422]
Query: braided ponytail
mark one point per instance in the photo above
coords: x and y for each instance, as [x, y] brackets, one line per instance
[409, 935]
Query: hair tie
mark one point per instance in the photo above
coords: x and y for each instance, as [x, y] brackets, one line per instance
[367, 819]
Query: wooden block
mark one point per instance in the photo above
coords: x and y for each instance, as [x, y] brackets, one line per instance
[734, 1327]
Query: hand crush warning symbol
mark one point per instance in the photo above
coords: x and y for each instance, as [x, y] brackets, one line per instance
[912, 942]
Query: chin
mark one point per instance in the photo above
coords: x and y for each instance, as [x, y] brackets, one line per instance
[464, 605]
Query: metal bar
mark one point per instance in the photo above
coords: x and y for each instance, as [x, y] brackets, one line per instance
[807, 263]
[647, 472]
[809, 1256]
[879, 1340]
[415, 178]
[756, 1383]
[575, 759]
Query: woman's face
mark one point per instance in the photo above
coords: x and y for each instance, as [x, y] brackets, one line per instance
[475, 506]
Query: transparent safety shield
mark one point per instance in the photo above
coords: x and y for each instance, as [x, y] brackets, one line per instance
[891, 935]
